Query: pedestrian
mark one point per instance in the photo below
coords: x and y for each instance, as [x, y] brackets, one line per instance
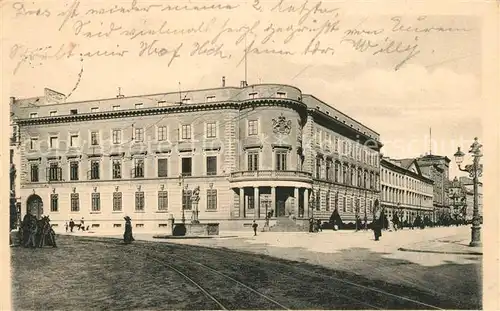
[82, 225]
[254, 226]
[71, 225]
[319, 225]
[66, 226]
[127, 236]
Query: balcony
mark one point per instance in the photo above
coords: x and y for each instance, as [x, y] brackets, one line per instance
[271, 177]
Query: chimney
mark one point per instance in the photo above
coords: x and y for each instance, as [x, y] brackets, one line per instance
[223, 81]
[120, 95]
[243, 84]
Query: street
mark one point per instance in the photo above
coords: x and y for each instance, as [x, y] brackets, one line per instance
[270, 271]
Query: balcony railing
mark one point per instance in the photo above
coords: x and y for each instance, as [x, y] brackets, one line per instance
[270, 174]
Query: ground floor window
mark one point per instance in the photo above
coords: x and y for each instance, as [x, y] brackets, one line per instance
[211, 199]
[75, 202]
[162, 200]
[117, 201]
[139, 201]
[54, 203]
[96, 202]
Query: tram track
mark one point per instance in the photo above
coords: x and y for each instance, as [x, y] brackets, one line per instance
[196, 273]
[349, 291]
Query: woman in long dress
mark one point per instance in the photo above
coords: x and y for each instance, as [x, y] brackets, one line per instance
[127, 236]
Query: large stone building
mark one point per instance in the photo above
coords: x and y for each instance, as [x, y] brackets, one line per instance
[252, 151]
[405, 189]
[457, 194]
[437, 168]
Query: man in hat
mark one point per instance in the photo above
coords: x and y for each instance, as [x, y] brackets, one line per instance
[127, 236]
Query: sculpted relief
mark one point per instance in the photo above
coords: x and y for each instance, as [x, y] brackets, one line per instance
[282, 126]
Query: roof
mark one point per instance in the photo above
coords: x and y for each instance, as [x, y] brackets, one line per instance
[405, 163]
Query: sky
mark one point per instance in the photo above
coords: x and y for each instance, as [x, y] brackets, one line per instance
[439, 88]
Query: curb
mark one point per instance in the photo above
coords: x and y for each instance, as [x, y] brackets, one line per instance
[438, 252]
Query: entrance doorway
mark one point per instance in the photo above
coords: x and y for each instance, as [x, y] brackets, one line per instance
[34, 206]
[280, 208]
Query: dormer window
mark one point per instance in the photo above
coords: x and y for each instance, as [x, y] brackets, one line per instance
[253, 95]
[162, 103]
[94, 109]
[73, 111]
[210, 98]
[116, 107]
[281, 94]
[317, 107]
[139, 106]
[53, 113]
[186, 100]
[33, 115]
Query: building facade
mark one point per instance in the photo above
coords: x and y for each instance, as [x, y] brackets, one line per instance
[437, 168]
[249, 151]
[406, 191]
[457, 194]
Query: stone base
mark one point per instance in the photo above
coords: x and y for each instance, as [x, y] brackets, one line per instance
[196, 229]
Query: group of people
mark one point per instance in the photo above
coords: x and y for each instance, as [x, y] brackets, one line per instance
[35, 232]
[72, 225]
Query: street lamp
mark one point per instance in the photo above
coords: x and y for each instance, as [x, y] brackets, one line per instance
[475, 171]
[181, 183]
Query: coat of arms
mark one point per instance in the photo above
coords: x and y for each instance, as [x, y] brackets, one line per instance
[282, 125]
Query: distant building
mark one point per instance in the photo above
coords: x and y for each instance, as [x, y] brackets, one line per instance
[457, 199]
[437, 168]
[253, 150]
[405, 189]
[469, 188]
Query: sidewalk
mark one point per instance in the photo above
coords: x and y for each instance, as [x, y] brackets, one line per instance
[444, 246]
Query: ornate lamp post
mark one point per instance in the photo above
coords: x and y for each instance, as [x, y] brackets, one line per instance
[181, 183]
[475, 171]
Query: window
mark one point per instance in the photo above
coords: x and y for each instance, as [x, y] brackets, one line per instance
[33, 115]
[186, 131]
[211, 130]
[94, 138]
[359, 178]
[34, 172]
[253, 95]
[328, 170]
[318, 167]
[161, 133]
[54, 172]
[318, 200]
[327, 200]
[53, 142]
[281, 94]
[162, 103]
[186, 100]
[253, 161]
[73, 170]
[252, 127]
[139, 201]
[138, 168]
[212, 165]
[54, 202]
[94, 169]
[94, 109]
[344, 174]
[96, 202]
[139, 106]
[211, 199]
[117, 137]
[33, 143]
[73, 111]
[186, 199]
[337, 171]
[210, 98]
[352, 176]
[251, 202]
[139, 135]
[116, 107]
[53, 113]
[186, 167]
[162, 167]
[344, 205]
[117, 169]
[73, 141]
[117, 201]
[281, 156]
[162, 200]
[75, 202]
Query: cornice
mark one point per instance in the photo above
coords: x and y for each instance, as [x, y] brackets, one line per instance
[181, 108]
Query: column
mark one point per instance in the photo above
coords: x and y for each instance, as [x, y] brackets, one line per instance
[306, 203]
[242, 202]
[296, 195]
[256, 201]
[273, 200]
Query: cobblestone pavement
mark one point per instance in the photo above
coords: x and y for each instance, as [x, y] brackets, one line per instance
[436, 260]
